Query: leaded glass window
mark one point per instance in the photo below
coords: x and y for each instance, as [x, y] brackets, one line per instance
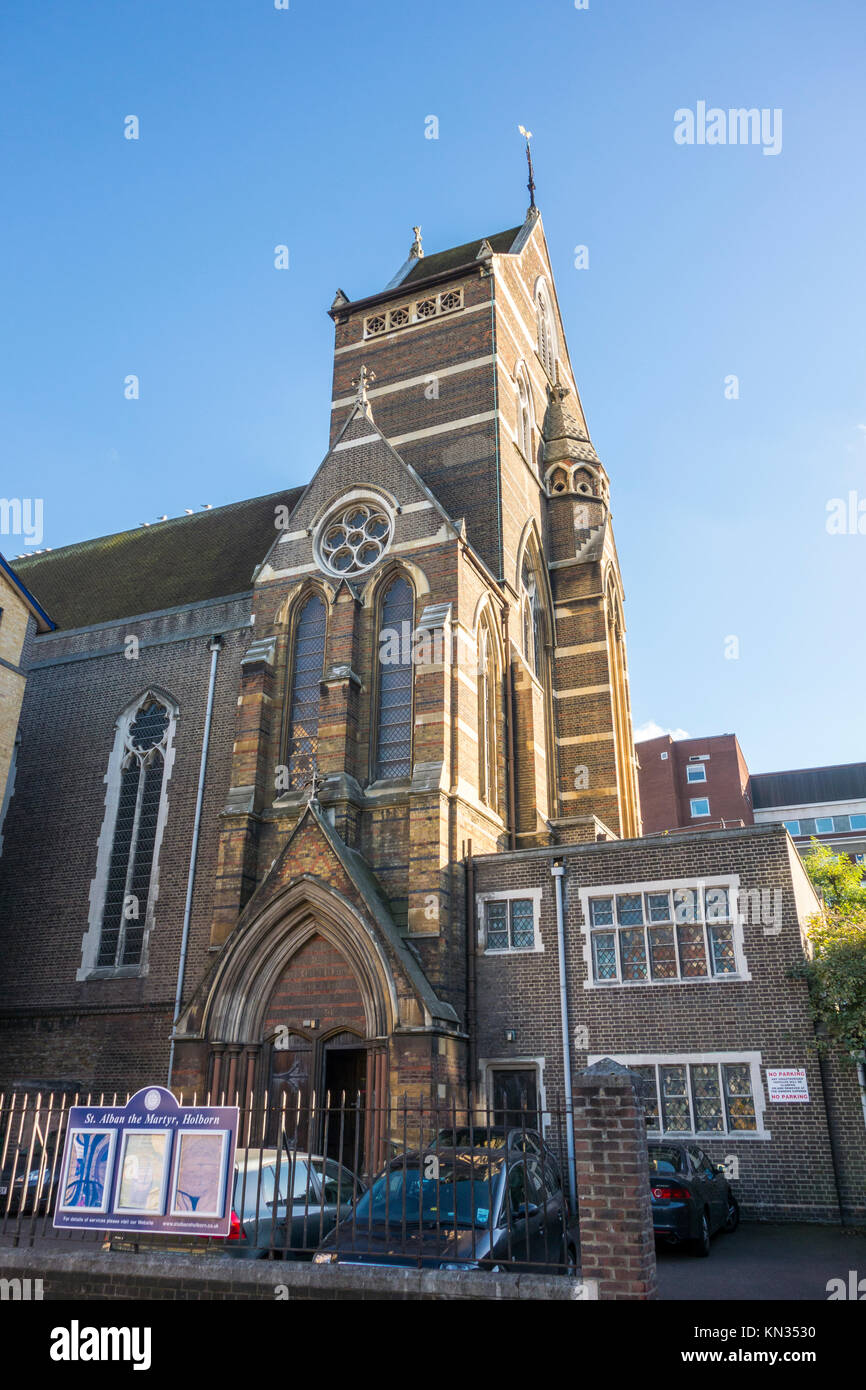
[739, 1100]
[130, 880]
[650, 1095]
[711, 1098]
[707, 1097]
[307, 669]
[510, 924]
[676, 1115]
[394, 731]
[677, 934]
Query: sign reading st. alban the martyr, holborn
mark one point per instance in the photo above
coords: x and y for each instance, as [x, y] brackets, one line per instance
[149, 1165]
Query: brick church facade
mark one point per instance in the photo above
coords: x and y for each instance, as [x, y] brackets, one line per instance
[310, 787]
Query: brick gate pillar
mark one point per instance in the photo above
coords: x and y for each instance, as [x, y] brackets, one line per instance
[616, 1230]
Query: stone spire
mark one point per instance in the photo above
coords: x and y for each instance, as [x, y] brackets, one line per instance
[565, 437]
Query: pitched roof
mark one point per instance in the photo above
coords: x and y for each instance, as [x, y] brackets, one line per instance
[211, 554]
[442, 261]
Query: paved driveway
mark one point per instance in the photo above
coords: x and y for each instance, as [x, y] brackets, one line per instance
[765, 1261]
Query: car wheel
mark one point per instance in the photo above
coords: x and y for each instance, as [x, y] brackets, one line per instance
[732, 1220]
[702, 1244]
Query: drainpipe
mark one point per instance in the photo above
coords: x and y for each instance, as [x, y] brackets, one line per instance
[471, 1093]
[215, 647]
[557, 872]
[861, 1077]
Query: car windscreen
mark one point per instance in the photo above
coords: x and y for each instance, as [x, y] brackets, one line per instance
[665, 1158]
[467, 1137]
[251, 1192]
[433, 1192]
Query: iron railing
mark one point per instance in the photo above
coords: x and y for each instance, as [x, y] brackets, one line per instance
[344, 1179]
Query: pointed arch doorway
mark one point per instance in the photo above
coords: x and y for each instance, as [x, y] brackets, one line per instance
[307, 997]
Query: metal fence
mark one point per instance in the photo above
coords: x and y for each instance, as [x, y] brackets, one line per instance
[344, 1180]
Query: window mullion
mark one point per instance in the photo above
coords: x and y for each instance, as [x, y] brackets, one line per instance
[130, 863]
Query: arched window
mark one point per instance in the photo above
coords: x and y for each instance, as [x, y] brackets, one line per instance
[525, 416]
[307, 667]
[486, 716]
[136, 779]
[546, 330]
[532, 629]
[394, 707]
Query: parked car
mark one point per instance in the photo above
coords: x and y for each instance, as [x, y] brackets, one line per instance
[322, 1191]
[513, 1138]
[690, 1195]
[459, 1208]
[260, 1227]
[34, 1183]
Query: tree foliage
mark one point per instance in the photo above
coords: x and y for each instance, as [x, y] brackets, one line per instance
[836, 968]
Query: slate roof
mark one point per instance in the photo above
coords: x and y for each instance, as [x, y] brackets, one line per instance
[43, 622]
[183, 560]
[441, 261]
[807, 785]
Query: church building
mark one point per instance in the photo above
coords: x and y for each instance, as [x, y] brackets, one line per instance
[312, 788]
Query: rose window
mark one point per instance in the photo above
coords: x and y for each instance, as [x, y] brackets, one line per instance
[355, 538]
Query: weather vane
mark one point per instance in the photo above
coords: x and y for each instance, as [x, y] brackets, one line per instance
[527, 135]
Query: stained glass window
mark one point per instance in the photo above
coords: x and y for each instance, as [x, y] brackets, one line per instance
[129, 883]
[307, 670]
[394, 735]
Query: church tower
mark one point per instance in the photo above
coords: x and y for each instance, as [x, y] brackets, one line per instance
[438, 672]
[472, 383]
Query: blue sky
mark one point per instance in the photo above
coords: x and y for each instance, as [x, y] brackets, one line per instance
[306, 127]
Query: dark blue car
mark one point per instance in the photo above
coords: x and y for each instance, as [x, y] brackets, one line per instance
[691, 1197]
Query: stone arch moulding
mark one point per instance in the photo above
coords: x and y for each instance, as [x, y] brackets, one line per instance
[242, 986]
[390, 568]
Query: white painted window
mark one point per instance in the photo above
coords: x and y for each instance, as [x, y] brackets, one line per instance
[701, 1095]
[508, 922]
[661, 933]
[696, 772]
[700, 806]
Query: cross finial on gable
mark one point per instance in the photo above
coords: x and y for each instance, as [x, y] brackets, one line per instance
[363, 380]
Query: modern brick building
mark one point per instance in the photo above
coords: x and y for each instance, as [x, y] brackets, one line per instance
[816, 803]
[305, 763]
[693, 783]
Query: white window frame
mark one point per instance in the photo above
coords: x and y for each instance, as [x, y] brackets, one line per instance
[90, 941]
[697, 800]
[510, 895]
[730, 882]
[695, 772]
[680, 1059]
